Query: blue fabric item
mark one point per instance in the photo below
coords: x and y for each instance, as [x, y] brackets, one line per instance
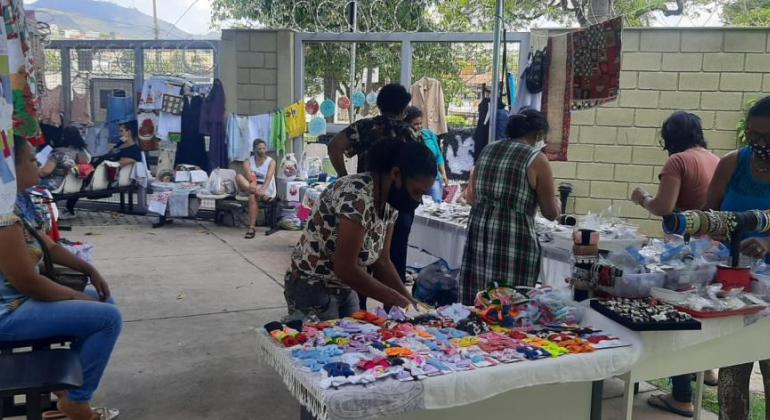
[501, 124]
[437, 192]
[358, 99]
[511, 88]
[96, 325]
[338, 369]
[234, 144]
[431, 140]
[745, 192]
[317, 126]
[328, 108]
[120, 109]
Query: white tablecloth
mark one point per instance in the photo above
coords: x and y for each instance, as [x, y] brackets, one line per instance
[446, 240]
[392, 397]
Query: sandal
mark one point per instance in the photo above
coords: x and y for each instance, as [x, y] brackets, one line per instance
[104, 413]
[658, 401]
[250, 233]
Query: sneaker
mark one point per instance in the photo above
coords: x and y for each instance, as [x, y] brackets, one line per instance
[65, 215]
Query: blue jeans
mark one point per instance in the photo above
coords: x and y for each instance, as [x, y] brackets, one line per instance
[437, 192]
[96, 326]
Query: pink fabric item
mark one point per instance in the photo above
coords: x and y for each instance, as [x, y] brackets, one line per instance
[51, 107]
[694, 167]
[80, 109]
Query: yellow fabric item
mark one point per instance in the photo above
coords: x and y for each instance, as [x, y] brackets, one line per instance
[295, 120]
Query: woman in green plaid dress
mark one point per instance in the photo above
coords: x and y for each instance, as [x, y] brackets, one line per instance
[512, 178]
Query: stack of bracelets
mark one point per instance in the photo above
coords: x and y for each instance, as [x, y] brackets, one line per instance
[716, 223]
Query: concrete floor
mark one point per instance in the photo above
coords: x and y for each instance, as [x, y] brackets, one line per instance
[192, 295]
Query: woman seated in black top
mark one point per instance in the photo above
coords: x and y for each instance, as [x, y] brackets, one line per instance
[127, 152]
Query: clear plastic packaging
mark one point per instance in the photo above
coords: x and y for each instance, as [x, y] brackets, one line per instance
[635, 285]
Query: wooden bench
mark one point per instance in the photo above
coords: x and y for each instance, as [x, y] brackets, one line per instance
[43, 368]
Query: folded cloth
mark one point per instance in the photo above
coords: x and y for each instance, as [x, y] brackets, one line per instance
[178, 203]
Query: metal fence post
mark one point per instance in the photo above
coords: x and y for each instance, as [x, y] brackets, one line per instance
[406, 63]
[138, 70]
[66, 82]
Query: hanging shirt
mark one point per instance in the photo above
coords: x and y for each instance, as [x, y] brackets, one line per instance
[237, 150]
[295, 120]
[428, 95]
[260, 127]
[80, 111]
[278, 134]
[51, 107]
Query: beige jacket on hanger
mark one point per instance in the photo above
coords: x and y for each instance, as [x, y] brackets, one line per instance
[428, 95]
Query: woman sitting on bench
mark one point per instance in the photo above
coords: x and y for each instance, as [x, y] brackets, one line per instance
[69, 150]
[260, 185]
[33, 307]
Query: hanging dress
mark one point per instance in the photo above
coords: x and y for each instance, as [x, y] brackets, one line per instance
[192, 148]
[502, 245]
[212, 124]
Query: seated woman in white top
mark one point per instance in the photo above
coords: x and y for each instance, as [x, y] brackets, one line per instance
[258, 180]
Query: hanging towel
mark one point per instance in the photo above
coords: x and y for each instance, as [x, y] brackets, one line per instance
[235, 149]
[278, 134]
[594, 57]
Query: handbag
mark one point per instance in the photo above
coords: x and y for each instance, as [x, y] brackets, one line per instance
[535, 73]
[62, 275]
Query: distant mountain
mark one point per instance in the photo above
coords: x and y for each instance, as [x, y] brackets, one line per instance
[103, 17]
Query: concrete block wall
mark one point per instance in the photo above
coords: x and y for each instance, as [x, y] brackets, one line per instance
[257, 70]
[614, 148]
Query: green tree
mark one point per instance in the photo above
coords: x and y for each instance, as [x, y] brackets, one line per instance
[747, 13]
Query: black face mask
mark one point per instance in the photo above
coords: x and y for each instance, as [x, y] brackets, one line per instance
[401, 200]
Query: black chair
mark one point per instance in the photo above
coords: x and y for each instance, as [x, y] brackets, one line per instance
[35, 369]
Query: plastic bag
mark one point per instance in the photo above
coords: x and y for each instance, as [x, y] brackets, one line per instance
[289, 167]
[437, 285]
[222, 181]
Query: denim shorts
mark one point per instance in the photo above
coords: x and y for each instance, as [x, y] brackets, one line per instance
[305, 298]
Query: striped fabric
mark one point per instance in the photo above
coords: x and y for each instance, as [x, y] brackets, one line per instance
[502, 245]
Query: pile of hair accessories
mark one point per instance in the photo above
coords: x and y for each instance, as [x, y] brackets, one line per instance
[413, 345]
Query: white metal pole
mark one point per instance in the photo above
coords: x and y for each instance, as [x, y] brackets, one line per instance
[353, 28]
[493, 98]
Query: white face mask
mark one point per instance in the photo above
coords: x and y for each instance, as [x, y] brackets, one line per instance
[540, 144]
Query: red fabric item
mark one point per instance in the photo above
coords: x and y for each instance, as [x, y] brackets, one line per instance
[84, 170]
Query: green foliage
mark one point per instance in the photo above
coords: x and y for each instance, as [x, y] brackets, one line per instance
[327, 65]
[743, 125]
[747, 13]
[457, 121]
